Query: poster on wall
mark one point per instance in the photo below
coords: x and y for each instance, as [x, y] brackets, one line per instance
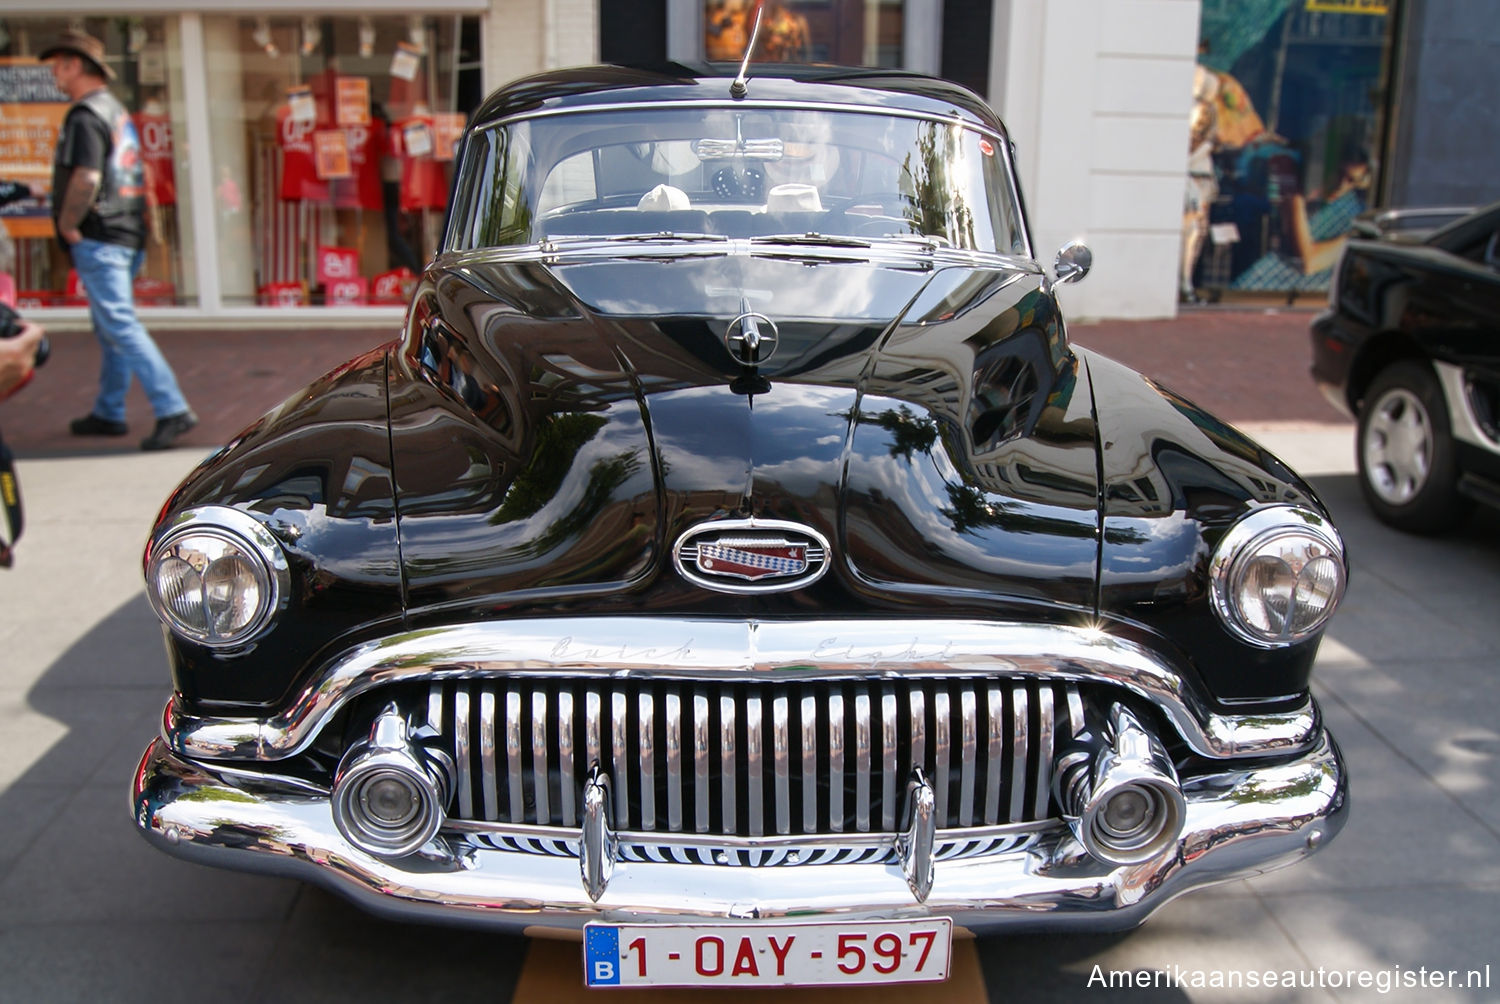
[1283, 133]
[31, 113]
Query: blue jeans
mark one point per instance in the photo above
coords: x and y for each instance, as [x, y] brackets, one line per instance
[106, 271]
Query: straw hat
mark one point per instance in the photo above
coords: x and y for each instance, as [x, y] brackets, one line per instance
[79, 44]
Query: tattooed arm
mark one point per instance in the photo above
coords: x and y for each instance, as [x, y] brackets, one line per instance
[77, 198]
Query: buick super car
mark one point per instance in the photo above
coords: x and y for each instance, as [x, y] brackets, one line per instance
[733, 565]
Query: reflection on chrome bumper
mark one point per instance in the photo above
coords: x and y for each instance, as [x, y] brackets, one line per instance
[1239, 822]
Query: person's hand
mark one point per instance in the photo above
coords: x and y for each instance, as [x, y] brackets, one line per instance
[38, 189]
[70, 236]
[18, 356]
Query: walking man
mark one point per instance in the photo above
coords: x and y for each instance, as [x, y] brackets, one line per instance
[99, 210]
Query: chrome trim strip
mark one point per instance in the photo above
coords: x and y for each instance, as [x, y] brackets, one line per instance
[1019, 743]
[727, 105]
[888, 754]
[1239, 822]
[565, 757]
[701, 765]
[619, 731]
[674, 761]
[781, 763]
[540, 772]
[513, 755]
[942, 739]
[968, 752]
[809, 728]
[726, 778]
[836, 762]
[647, 704]
[488, 772]
[669, 648]
[718, 841]
[593, 710]
[862, 762]
[996, 750]
[461, 728]
[755, 758]
[1044, 735]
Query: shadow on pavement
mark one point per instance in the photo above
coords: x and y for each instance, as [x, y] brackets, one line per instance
[89, 911]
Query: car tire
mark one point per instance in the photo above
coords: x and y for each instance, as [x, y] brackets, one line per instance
[1405, 451]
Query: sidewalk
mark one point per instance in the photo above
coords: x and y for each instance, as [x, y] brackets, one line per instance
[1249, 367]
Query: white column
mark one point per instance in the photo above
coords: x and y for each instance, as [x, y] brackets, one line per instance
[205, 237]
[1096, 94]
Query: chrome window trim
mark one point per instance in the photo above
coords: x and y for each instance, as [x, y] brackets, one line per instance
[957, 118]
[726, 103]
[687, 649]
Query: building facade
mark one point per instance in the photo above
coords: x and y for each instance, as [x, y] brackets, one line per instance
[300, 157]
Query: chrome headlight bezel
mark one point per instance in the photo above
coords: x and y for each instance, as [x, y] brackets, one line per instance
[1259, 533]
[249, 539]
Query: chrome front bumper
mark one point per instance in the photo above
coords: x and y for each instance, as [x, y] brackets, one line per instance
[1240, 822]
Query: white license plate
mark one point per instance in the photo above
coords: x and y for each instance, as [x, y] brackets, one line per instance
[767, 955]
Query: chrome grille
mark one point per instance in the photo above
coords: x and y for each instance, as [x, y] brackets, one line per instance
[754, 758]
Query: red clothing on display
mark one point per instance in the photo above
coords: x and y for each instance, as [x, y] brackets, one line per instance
[367, 144]
[299, 165]
[155, 131]
[424, 185]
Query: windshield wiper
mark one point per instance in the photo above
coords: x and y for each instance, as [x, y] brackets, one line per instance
[815, 239]
[664, 235]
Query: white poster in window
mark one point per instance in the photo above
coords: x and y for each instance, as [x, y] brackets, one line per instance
[153, 66]
[416, 139]
[300, 101]
[405, 61]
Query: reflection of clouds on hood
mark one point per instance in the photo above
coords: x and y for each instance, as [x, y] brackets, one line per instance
[992, 550]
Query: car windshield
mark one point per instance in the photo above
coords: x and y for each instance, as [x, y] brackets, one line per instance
[735, 172]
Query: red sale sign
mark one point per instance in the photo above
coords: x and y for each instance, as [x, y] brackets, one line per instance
[335, 264]
[345, 292]
[283, 294]
[394, 286]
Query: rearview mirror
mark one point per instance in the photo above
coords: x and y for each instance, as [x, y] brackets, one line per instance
[747, 149]
[1073, 262]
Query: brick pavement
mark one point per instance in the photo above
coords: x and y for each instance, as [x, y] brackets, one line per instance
[1245, 365]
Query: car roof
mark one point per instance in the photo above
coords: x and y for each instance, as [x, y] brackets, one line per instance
[1465, 231]
[871, 88]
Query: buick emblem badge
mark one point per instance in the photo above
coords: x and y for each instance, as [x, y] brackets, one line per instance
[751, 555]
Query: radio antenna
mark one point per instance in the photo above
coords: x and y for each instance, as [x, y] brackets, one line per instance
[737, 89]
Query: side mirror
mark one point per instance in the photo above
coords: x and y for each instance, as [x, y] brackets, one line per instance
[1073, 262]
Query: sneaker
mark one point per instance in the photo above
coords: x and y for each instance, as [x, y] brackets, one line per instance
[168, 429]
[93, 425]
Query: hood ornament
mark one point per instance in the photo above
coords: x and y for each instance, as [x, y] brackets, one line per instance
[751, 338]
[751, 555]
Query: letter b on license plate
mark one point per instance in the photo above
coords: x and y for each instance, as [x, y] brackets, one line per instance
[898, 951]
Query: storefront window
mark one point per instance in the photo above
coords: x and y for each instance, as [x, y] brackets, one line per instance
[1281, 155]
[332, 145]
[850, 32]
[144, 54]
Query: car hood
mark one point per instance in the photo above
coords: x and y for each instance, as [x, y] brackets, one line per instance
[557, 426]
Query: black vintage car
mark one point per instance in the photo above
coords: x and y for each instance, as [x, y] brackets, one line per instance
[733, 564]
[1410, 345]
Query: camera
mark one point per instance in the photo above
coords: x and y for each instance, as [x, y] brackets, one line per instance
[10, 327]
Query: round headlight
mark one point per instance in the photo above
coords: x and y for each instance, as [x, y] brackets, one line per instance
[1277, 576]
[216, 576]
